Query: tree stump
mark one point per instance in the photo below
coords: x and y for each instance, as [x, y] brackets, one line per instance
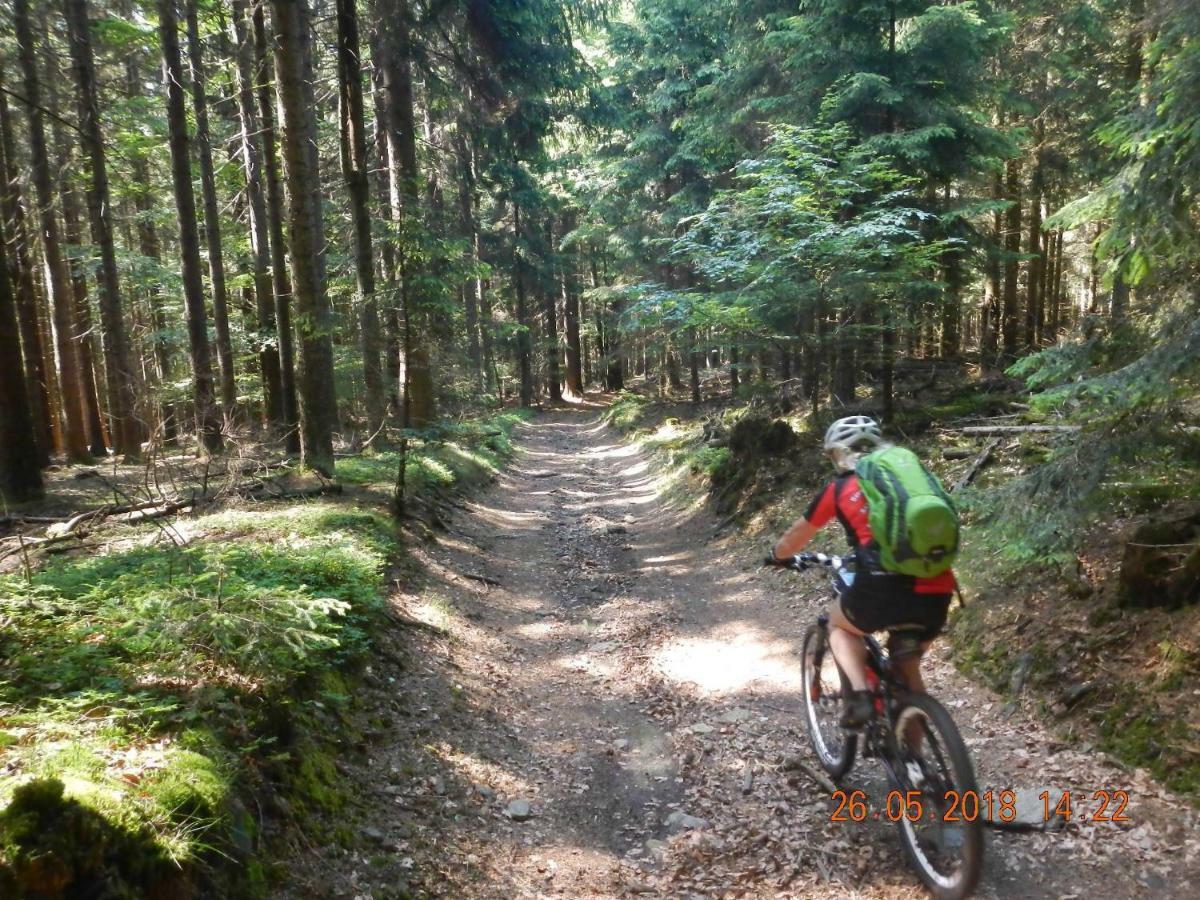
[1161, 564]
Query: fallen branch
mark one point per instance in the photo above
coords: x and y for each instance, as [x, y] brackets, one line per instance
[482, 579]
[819, 777]
[61, 532]
[262, 491]
[987, 430]
[980, 461]
[795, 763]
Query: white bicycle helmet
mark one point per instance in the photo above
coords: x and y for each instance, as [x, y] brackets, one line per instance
[851, 432]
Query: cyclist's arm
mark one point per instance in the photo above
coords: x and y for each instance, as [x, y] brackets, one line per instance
[821, 510]
[795, 538]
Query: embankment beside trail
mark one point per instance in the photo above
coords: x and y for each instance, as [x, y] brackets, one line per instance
[177, 695]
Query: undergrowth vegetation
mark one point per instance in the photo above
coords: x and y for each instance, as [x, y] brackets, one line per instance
[155, 689]
[445, 456]
[139, 684]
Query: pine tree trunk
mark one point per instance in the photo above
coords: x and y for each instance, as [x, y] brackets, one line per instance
[314, 317]
[550, 315]
[734, 375]
[693, 363]
[210, 228]
[471, 290]
[1037, 262]
[1056, 317]
[887, 374]
[387, 254]
[148, 245]
[845, 369]
[989, 313]
[1011, 310]
[26, 297]
[570, 293]
[256, 208]
[487, 344]
[615, 376]
[208, 422]
[126, 431]
[952, 304]
[524, 336]
[58, 285]
[281, 283]
[20, 457]
[396, 62]
[85, 334]
[355, 171]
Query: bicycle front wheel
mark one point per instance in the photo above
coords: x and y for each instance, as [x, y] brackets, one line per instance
[945, 843]
[824, 689]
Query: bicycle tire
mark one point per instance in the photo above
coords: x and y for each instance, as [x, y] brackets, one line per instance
[954, 750]
[835, 758]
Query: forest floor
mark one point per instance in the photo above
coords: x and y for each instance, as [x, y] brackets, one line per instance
[594, 692]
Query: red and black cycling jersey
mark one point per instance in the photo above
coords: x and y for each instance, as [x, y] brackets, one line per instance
[843, 498]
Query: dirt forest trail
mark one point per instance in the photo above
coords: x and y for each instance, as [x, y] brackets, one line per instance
[595, 696]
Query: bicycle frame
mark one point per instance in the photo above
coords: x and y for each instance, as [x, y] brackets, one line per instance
[879, 734]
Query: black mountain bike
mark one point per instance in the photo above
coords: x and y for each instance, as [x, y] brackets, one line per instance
[934, 799]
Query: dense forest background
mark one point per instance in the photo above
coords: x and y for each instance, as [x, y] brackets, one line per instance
[310, 222]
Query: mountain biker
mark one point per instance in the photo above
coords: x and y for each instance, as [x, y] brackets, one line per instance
[869, 599]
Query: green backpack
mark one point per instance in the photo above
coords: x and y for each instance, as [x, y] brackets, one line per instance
[911, 516]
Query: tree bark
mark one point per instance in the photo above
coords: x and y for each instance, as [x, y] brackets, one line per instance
[1012, 245]
[126, 431]
[148, 245]
[570, 294]
[387, 261]
[57, 282]
[734, 375]
[314, 317]
[693, 363]
[1036, 250]
[474, 286]
[211, 227]
[524, 335]
[355, 171]
[989, 313]
[26, 297]
[20, 457]
[85, 334]
[267, 339]
[845, 374]
[419, 406]
[550, 312]
[208, 423]
[281, 284]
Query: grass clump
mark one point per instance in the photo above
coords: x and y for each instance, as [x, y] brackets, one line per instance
[440, 457]
[627, 410]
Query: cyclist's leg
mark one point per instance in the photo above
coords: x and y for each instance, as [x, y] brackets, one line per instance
[846, 641]
[908, 668]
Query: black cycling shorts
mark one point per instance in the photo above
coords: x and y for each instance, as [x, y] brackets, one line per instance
[885, 601]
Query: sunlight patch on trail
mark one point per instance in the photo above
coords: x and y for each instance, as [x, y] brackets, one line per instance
[735, 657]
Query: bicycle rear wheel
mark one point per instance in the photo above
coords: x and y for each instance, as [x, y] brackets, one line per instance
[945, 845]
[824, 688]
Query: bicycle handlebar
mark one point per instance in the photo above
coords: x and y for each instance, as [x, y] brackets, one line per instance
[801, 562]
